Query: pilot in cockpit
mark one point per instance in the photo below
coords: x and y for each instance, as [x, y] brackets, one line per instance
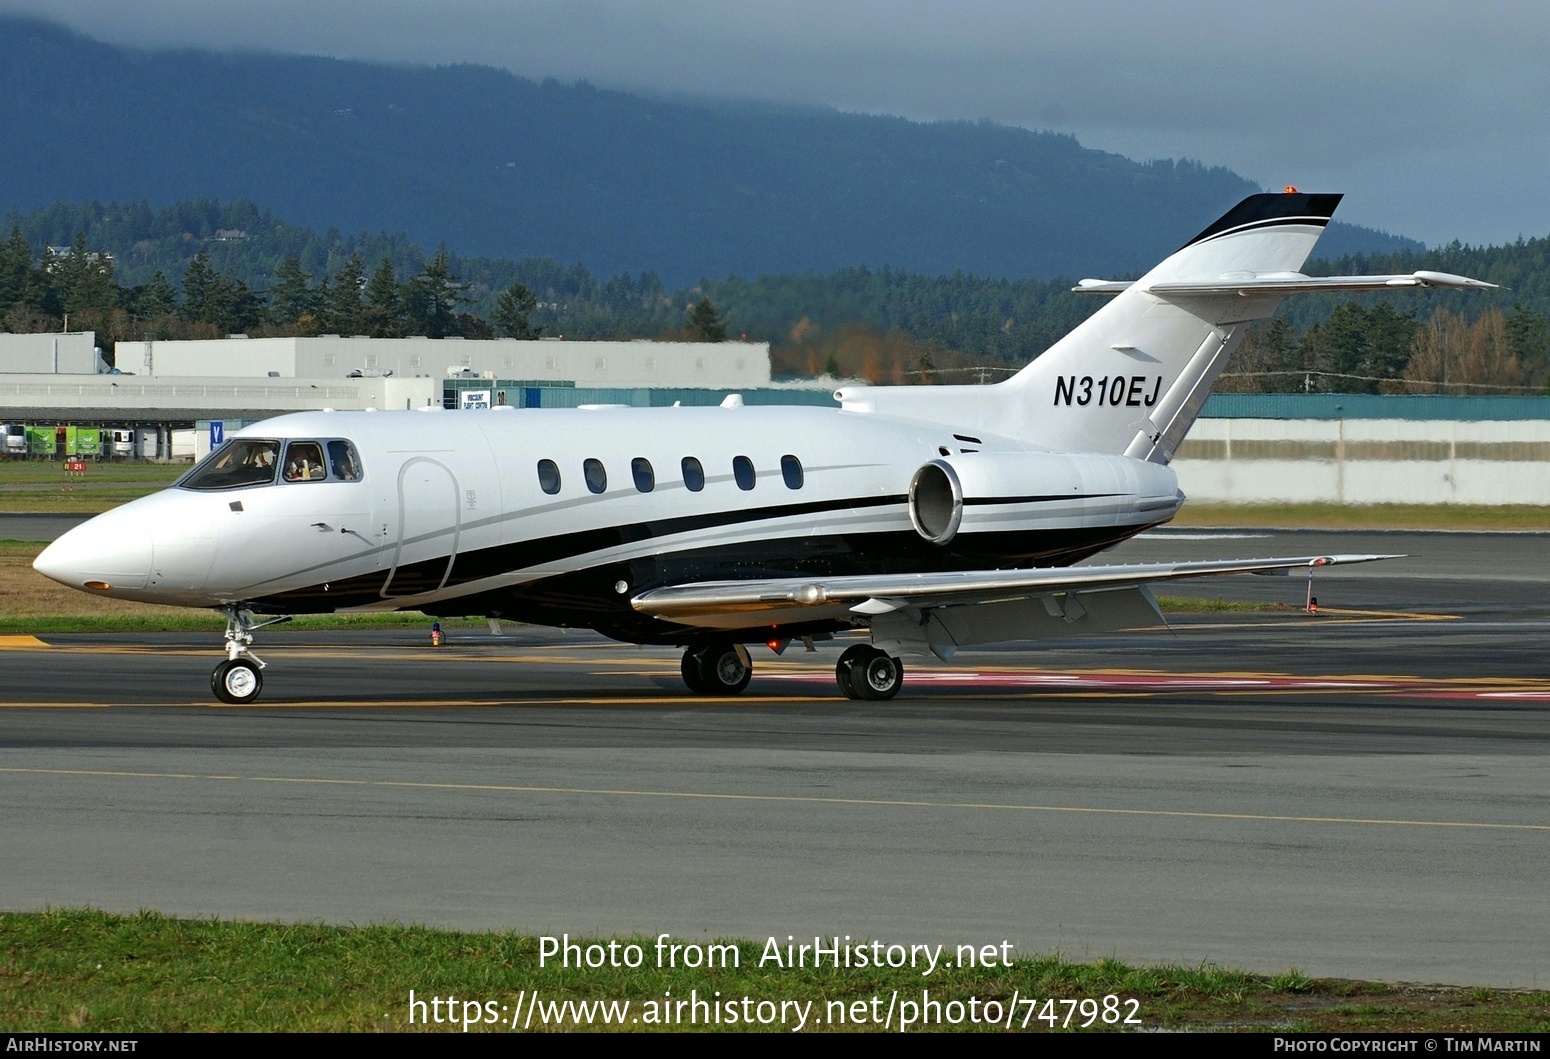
[341, 456]
[304, 462]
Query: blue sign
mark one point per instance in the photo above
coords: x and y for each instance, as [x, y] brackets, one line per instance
[217, 433]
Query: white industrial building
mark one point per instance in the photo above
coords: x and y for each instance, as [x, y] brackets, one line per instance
[72, 353]
[697, 365]
[61, 377]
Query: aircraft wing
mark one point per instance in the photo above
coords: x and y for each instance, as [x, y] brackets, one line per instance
[726, 604]
[1251, 284]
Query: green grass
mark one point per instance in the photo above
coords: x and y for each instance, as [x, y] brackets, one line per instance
[95, 972]
[1191, 605]
[44, 486]
[209, 620]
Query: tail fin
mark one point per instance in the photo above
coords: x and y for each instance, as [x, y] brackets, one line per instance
[1133, 377]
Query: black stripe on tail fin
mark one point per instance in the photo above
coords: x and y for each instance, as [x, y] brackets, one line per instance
[1261, 210]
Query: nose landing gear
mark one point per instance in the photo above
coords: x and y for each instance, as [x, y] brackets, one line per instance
[240, 678]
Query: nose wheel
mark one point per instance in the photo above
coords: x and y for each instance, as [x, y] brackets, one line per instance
[240, 678]
[237, 681]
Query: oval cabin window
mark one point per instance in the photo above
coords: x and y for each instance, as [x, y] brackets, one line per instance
[742, 472]
[645, 477]
[791, 471]
[694, 474]
[549, 476]
[596, 476]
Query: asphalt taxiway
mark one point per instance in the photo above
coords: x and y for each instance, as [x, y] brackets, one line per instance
[1363, 793]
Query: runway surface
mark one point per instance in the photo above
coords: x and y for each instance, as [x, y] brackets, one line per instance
[1363, 793]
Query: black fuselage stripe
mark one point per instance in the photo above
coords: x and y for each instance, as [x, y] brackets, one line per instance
[426, 575]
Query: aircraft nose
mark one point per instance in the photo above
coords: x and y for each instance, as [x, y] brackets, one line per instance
[99, 556]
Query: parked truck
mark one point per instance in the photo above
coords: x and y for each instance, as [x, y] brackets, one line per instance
[13, 439]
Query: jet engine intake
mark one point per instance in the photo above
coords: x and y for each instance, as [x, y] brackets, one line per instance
[936, 502]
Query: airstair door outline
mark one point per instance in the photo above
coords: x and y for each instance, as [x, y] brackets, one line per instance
[429, 525]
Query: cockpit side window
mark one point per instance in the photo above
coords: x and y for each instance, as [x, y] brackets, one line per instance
[239, 463]
[304, 462]
[343, 462]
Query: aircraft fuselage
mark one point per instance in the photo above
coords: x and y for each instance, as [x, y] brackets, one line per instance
[452, 513]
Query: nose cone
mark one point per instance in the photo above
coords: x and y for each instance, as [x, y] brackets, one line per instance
[109, 554]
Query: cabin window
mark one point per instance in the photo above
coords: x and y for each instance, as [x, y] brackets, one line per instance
[549, 476]
[343, 462]
[694, 474]
[235, 465]
[645, 477]
[304, 462]
[791, 471]
[742, 472]
[596, 477]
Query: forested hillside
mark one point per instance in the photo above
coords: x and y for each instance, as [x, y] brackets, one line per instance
[206, 269]
[496, 165]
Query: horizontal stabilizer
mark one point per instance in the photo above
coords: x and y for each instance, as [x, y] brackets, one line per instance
[1252, 284]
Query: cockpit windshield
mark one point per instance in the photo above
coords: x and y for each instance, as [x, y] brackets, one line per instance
[243, 462]
[238, 463]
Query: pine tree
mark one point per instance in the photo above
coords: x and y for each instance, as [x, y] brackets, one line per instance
[344, 311]
[291, 297]
[223, 301]
[200, 295]
[15, 271]
[151, 300]
[384, 306]
[433, 298]
[513, 308]
[706, 323]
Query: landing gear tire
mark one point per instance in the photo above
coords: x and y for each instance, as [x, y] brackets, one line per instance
[690, 668]
[720, 669]
[866, 673]
[237, 681]
[852, 656]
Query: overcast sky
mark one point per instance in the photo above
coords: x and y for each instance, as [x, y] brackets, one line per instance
[1431, 116]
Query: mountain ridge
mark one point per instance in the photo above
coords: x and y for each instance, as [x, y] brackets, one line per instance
[489, 163]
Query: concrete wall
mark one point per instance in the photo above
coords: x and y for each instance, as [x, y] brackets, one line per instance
[1366, 461]
[693, 364]
[74, 353]
[137, 394]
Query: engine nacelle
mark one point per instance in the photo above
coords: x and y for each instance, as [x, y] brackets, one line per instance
[990, 491]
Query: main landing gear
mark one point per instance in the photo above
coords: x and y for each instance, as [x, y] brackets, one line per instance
[863, 672]
[717, 669]
[240, 678]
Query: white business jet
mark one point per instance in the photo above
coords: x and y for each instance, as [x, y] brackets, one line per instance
[935, 517]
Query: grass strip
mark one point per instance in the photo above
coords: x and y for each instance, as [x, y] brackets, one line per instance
[85, 970]
[1472, 517]
[43, 486]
